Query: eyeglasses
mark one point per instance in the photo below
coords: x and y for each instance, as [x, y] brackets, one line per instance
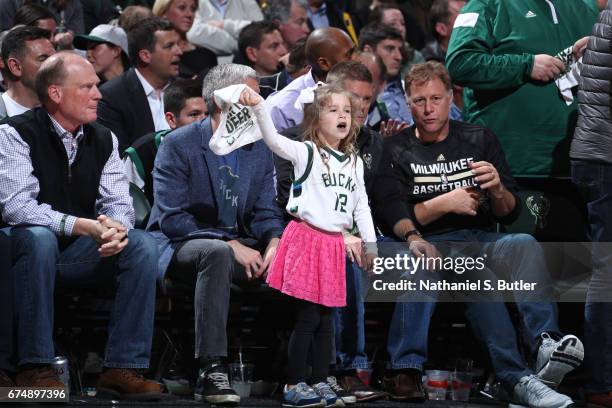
[434, 100]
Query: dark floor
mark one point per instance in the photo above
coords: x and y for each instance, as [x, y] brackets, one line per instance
[261, 402]
[269, 402]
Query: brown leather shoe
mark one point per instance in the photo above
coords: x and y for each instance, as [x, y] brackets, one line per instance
[126, 383]
[5, 380]
[406, 386]
[353, 385]
[38, 377]
[600, 400]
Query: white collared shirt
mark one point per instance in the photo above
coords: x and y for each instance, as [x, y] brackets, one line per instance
[156, 103]
[13, 108]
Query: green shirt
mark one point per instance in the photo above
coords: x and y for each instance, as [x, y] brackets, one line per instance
[491, 53]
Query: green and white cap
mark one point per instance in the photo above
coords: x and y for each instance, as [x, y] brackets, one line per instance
[104, 33]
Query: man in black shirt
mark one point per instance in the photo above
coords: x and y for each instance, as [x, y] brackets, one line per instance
[443, 181]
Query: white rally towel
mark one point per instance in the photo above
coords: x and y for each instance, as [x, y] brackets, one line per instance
[238, 126]
[569, 78]
[306, 96]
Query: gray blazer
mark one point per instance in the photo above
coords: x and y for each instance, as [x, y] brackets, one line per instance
[186, 192]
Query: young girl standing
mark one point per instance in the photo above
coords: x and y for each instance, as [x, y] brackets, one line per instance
[326, 197]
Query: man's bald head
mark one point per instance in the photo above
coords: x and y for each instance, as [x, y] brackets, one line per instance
[325, 47]
[377, 68]
[54, 71]
[66, 85]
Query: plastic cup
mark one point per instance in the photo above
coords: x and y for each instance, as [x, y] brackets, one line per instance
[365, 375]
[241, 377]
[437, 383]
[461, 384]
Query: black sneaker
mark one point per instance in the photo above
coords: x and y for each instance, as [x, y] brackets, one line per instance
[213, 387]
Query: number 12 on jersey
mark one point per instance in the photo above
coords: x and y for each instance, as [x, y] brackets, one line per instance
[341, 200]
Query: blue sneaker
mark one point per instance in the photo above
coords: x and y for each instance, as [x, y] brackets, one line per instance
[301, 395]
[331, 398]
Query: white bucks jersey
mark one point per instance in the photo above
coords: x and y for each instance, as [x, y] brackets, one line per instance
[326, 187]
[328, 190]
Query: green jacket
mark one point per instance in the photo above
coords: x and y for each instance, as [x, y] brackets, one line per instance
[491, 53]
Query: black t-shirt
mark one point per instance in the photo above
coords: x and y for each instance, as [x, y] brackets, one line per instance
[412, 172]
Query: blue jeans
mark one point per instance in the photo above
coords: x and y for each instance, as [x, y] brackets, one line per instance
[490, 321]
[594, 181]
[6, 305]
[349, 330]
[39, 265]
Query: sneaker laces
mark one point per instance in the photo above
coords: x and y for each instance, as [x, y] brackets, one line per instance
[219, 380]
[547, 346]
[324, 390]
[534, 386]
[547, 341]
[306, 390]
[333, 384]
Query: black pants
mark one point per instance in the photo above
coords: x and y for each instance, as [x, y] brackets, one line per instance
[6, 305]
[313, 327]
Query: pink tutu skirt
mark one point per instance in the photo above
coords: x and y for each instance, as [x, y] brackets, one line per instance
[310, 264]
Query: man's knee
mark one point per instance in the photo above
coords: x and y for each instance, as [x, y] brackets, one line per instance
[519, 243]
[142, 248]
[216, 252]
[142, 242]
[34, 239]
[523, 239]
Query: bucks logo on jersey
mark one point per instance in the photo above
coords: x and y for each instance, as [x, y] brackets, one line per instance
[339, 180]
[343, 181]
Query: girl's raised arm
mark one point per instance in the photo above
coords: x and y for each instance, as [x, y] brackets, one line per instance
[282, 146]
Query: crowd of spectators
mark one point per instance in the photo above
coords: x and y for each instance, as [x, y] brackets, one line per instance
[455, 101]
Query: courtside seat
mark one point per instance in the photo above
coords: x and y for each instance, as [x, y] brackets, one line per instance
[142, 207]
[555, 214]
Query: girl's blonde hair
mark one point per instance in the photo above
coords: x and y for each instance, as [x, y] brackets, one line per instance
[161, 6]
[312, 112]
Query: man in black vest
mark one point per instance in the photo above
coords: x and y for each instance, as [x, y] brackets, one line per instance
[65, 196]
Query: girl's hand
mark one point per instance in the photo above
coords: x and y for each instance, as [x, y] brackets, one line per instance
[249, 97]
[354, 250]
[370, 257]
[267, 258]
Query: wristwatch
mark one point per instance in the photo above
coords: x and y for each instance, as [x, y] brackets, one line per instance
[412, 232]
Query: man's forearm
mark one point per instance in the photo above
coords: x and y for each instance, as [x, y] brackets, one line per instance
[402, 227]
[429, 211]
[84, 226]
[502, 203]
